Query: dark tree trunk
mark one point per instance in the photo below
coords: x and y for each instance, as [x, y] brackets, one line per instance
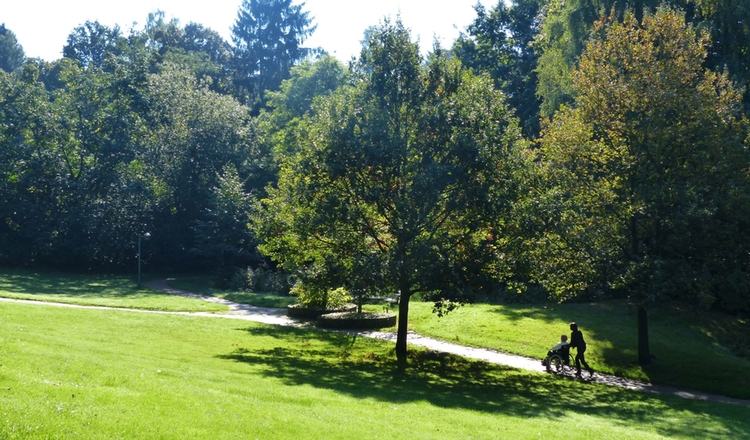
[644, 353]
[403, 326]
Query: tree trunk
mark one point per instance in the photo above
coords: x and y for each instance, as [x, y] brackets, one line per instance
[644, 353]
[403, 326]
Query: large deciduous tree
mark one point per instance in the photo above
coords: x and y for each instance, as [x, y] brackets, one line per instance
[648, 171]
[194, 47]
[401, 181]
[567, 24]
[268, 37]
[91, 42]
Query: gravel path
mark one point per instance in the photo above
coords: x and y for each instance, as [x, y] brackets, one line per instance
[278, 317]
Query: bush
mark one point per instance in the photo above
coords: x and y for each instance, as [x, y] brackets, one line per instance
[314, 297]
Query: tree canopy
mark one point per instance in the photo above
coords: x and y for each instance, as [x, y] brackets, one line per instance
[400, 181]
[11, 53]
[644, 167]
[268, 37]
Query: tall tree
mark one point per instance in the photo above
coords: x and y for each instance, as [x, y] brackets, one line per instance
[307, 82]
[196, 133]
[566, 26]
[728, 22]
[11, 52]
[268, 37]
[399, 182]
[647, 168]
[500, 42]
[91, 42]
[194, 47]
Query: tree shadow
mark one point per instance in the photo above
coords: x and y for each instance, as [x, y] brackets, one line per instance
[367, 370]
[52, 284]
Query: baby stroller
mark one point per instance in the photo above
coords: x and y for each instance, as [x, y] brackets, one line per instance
[559, 361]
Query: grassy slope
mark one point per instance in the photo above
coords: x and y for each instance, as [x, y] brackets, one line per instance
[73, 373]
[687, 349]
[688, 355]
[94, 290]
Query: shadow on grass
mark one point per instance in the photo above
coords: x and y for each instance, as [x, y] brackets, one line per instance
[82, 286]
[367, 369]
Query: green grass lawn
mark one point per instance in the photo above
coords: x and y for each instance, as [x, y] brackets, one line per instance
[686, 345]
[94, 290]
[687, 352]
[102, 374]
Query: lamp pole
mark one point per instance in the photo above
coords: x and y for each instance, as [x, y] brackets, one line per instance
[144, 236]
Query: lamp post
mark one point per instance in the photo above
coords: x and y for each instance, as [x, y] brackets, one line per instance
[144, 236]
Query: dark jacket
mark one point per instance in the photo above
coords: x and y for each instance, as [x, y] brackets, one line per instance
[576, 340]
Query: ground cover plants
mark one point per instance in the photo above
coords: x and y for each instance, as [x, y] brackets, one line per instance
[94, 290]
[86, 374]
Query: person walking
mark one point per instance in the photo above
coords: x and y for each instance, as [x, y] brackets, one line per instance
[577, 341]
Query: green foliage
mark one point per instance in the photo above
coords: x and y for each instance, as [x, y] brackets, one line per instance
[11, 53]
[260, 279]
[223, 237]
[92, 42]
[500, 42]
[268, 36]
[95, 156]
[203, 154]
[398, 182]
[315, 297]
[645, 172]
[307, 82]
[198, 49]
[567, 25]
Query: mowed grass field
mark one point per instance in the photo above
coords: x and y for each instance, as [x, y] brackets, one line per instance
[693, 349]
[94, 290]
[89, 374]
[73, 373]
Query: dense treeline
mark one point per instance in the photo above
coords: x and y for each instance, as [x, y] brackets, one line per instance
[589, 148]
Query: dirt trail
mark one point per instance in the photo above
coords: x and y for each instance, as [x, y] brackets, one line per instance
[278, 317]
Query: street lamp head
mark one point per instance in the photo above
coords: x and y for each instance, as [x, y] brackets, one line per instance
[146, 235]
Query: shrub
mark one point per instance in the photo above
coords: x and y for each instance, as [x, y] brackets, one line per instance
[320, 298]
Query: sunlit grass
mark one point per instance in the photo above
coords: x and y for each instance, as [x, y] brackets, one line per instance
[688, 352]
[89, 374]
[686, 356]
[94, 290]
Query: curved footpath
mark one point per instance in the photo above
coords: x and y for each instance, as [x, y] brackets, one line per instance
[278, 317]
